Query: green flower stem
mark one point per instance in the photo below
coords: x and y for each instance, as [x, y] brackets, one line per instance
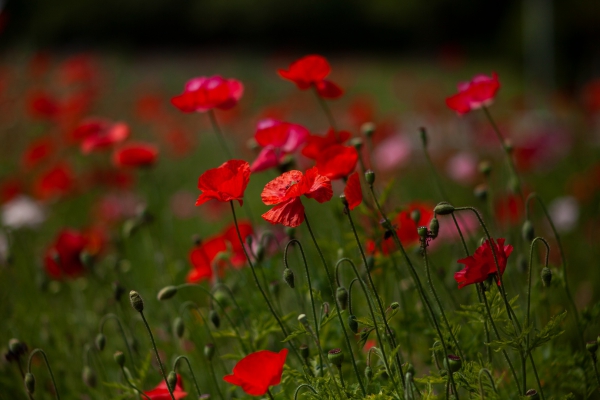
[537, 378]
[376, 296]
[34, 352]
[594, 361]
[310, 290]
[350, 295]
[564, 264]
[219, 134]
[327, 110]
[270, 394]
[121, 331]
[306, 385]
[162, 368]
[219, 285]
[489, 375]
[281, 326]
[408, 392]
[495, 329]
[225, 313]
[341, 377]
[337, 308]
[214, 376]
[191, 372]
[133, 386]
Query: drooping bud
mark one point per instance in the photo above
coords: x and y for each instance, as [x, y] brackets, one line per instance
[88, 376]
[214, 318]
[532, 394]
[336, 357]
[370, 177]
[304, 351]
[136, 301]
[172, 380]
[481, 191]
[415, 215]
[341, 295]
[546, 276]
[368, 129]
[100, 341]
[434, 228]
[423, 134]
[527, 231]
[290, 232]
[119, 358]
[166, 293]
[30, 382]
[209, 351]
[453, 363]
[288, 277]
[444, 208]
[353, 323]
[178, 327]
[368, 373]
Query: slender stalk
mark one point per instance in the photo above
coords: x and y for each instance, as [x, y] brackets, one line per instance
[537, 378]
[121, 330]
[596, 371]
[219, 133]
[304, 385]
[489, 375]
[191, 372]
[219, 285]
[327, 110]
[132, 385]
[270, 394]
[214, 376]
[529, 279]
[162, 368]
[47, 366]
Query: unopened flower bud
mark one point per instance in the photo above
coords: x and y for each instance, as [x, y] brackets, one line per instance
[336, 357]
[214, 318]
[415, 215]
[119, 358]
[209, 351]
[368, 373]
[546, 276]
[304, 351]
[30, 382]
[481, 191]
[444, 208]
[166, 293]
[353, 323]
[325, 309]
[86, 259]
[370, 177]
[290, 232]
[288, 277]
[304, 321]
[532, 394]
[368, 129]
[356, 142]
[16, 347]
[100, 341]
[592, 346]
[136, 301]
[178, 327]
[341, 295]
[485, 167]
[423, 135]
[88, 376]
[434, 228]
[453, 363]
[527, 231]
[370, 263]
[172, 380]
[394, 305]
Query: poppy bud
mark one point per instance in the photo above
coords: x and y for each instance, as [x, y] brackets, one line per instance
[592, 346]
[118, 291]
[325, 309]
[481, 191]
[17, 347]
[336, 357]
[485, 167]
[209, 351]
[288, 277]
[100, 341]
[353, 323]
[356, 142]
[304, 351]
[423, 135]
[370, 177]
[136, 301]
[172, 380]
[368, 129]
[527, 231]
[178, 327]
[341, 295]
[119, 358]
[434, 227]
[522, 263]
[422, 231]
[344, 201]
[532, 394]
[368, 373]
[214, 318]
[394, 305]
[260, 252]
[30, 382]
[88, 376]
[303, 320]
[453, 363]
[546, 276]
[86, 259]
[415, 215]
[443, 208]
[370, 263]
[166, 293]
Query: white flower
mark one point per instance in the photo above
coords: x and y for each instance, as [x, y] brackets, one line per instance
[22, 211]
[564, 212]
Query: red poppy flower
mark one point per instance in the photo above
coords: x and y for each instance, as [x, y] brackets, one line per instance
[161, 392]
[353, 191]
[257, 371]
[42, 105]
[278, 139]
[225, 183]
[56, 181]
[406, 228]
[203, 94]
[481, 265]
[63, 258]
[135, 155]
[105, 136]
[10, 188]
[310, 71]
[284, 192]
[37, 151]
[337, 161]
[203, 256]
[238, 258]
[316, 144]
[509, 210]
[472, 95]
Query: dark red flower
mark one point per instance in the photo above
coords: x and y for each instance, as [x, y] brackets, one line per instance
[353, 191]
[42, 105]
[316, 144]
[225, 183]
[406, 228]
[257, 371]
[203, 94]
[135, 155]
[472, 95]
[311, 71]
[37, 151]
[284, 192]
[56, 181]
[337, 161]
[161, 392]
[63, 258]
[104, 137]
[481, 265]
[509, 210]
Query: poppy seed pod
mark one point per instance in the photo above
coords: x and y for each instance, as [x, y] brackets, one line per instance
[214, 318]
[527, 231]
[546, 276]
[422, 231]
[172, 380]
[532, 394]
[370, 177]
[100, 341]
[119, 358]
[341, 295]
[443, 208]
[453, 363]
[353, 323]
[288, 277]
[166, 293]
[434, 228]
[178, 327]
[344, 200]
[136, 301]
[336, 357]
[30, 382]
[368, 129]
[88, 376]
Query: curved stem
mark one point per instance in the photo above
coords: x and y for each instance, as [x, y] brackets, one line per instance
[121, 330]
[304, 385]
[162, 369]
[214, 376]
[133, 386]
[191, 372]
[219, 133]
[489, 375]
[47, 366]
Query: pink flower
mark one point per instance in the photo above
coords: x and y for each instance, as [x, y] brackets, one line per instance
[480, 92]
[203, 94]
[278, 139]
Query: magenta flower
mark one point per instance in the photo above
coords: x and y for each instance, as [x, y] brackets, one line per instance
[480, 92]
[278, 139]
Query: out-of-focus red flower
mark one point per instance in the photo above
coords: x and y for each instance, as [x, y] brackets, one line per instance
[337, 161]
[149, 106]
[78, 69]
[316, 144]
[56, 181]
[205, 93]
[161, 392]
[10, 188]
[284, 192]
[225, 183]
[257, 371]
[37, 152]
[104, 137]
[591, 96]
[481, 265]
[238, 258]
[278, 139]
[63, 257]
[39, 64]
[472, 95]
[111, 178]
[311, 71]
[406, 228]
[42, 105]
[353, 191]
[509, 210]
[88, 127]
[135, 155]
